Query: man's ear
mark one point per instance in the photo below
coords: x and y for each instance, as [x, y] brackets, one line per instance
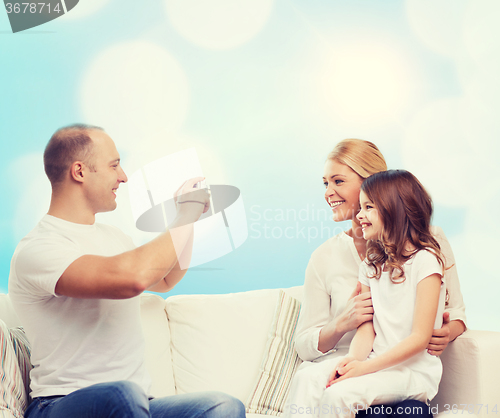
[76, 171]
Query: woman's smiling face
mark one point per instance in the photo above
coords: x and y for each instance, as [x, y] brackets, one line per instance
[342, 190]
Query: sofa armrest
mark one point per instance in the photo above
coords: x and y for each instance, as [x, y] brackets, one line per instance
[470, 375]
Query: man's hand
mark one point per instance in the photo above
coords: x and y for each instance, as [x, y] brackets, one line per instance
[190, 200]
[440, 337]
[346, 368]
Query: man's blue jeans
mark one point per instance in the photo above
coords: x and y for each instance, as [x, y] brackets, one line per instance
[127, 400]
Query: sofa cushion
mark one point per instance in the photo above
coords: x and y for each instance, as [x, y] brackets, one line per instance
[157, 336]
[13, 398]
[22, 348]
[470, 376]
[218, 341]
[280, 360]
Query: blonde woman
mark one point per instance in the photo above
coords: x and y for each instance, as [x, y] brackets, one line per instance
[333, 305]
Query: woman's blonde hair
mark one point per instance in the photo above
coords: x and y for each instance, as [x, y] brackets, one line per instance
[361, 156]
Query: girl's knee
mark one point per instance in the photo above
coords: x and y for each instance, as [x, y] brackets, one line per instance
[343, 394]
[313, 373]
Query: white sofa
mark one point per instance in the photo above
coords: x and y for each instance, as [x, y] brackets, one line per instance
[217, 342]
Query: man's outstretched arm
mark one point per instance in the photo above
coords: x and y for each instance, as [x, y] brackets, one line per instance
[128, 274]
[176, 274]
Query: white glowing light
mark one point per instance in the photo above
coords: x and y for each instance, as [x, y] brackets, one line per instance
[447, 149]
[218, 24]
[213, 169]
[481, 233]
[136, 91]
[166, 174]
[433, 150]
[482, 36]
[438, 24]
[368, 83]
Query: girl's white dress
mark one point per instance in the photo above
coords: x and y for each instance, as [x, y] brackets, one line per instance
[331, 276]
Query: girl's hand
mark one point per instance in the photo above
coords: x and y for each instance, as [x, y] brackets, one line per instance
[346, 368]
[341, 364]
[359, 309]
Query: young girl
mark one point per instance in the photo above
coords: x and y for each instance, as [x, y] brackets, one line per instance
[403, 270]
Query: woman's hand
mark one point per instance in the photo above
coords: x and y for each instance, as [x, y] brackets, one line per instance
[347, 367]
[440, 337]
[446, 334]
[358, 310]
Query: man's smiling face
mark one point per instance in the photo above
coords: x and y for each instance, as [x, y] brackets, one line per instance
[103, 181]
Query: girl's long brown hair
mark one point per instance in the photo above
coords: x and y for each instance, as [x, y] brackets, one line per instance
[405, 209]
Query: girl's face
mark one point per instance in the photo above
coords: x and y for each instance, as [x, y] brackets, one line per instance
[369, 218]
[342, 190]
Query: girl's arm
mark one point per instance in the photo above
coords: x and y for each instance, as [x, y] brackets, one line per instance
[426, 306]
[361, 345]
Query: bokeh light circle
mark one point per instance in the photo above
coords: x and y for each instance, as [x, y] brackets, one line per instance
[439, 24]
[134, 91]
[218, 24]
[366, 83]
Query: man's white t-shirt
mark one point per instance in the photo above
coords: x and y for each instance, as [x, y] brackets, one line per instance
[75, 342]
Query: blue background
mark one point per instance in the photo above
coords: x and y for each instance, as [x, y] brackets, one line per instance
[264, 89]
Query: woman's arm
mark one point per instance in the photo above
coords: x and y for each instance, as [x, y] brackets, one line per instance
[426, 306]
[361, 345]
[454, 319]
[317, 331]
[314, 314]
[359, 309]
[441, 337]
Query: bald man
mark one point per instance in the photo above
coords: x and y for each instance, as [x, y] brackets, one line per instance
[75, 285]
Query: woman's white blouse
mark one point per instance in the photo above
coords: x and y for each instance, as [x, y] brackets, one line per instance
[332, 274]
